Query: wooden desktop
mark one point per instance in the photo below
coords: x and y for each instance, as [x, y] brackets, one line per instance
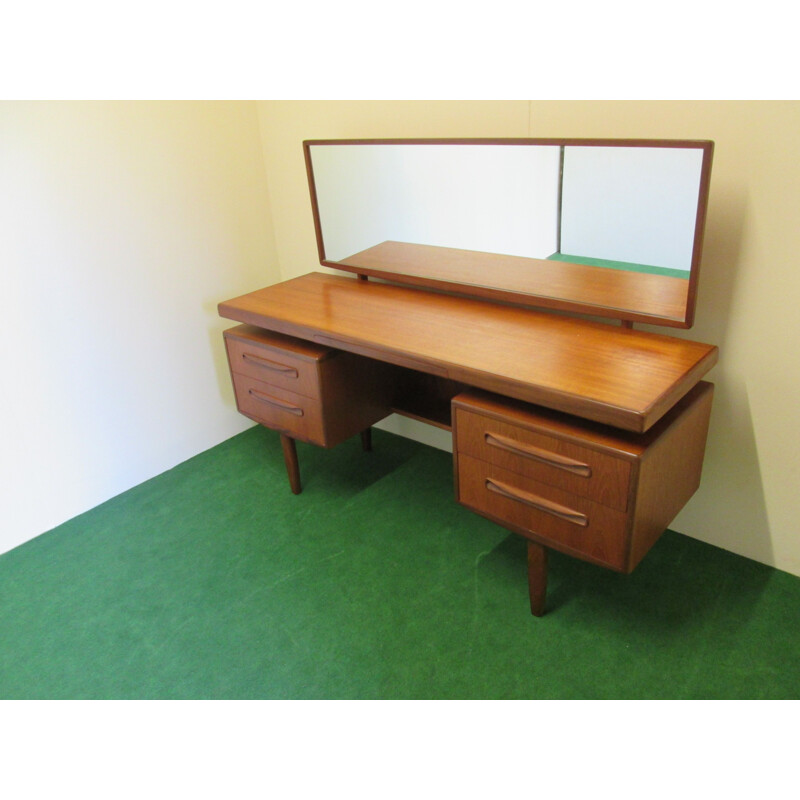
[580, 436]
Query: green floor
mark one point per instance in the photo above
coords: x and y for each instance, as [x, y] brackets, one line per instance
[214, 581]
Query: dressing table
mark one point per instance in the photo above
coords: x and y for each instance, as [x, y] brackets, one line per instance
[580, 434]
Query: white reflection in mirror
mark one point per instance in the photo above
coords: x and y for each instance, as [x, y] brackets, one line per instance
[501, 199]
[636, 206]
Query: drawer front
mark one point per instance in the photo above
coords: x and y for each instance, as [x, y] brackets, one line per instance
[564, 465]
[291, 413]
[274, 366]
[581, 525]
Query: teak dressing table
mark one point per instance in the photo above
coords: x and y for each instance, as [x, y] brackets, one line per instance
[579, 435]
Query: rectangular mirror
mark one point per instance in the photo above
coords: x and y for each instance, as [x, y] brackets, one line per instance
[606, 227]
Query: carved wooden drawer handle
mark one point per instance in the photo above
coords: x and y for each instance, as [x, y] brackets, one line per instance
[272, 401]
[539, 503]
[537, 454]
[290, 372]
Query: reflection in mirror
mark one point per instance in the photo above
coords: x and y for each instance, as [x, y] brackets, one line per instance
[605, 227]
[630, 208]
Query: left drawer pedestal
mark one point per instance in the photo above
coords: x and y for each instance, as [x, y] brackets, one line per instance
[304, 390]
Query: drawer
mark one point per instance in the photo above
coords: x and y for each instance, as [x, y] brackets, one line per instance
[275, 365]
[288, 412]
[583, 471]
[556, 517]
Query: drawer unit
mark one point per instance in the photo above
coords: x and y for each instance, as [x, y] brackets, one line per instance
[541, 456]
[293, 414]
[278, 360]
[585, 489]
[577, 525]
[305, 390]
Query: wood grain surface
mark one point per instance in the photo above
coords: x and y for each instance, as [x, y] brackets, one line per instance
[624, 378]
[556, 283]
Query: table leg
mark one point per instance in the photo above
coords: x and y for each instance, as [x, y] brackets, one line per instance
[366, 440]
[537, 577]
[292, 465]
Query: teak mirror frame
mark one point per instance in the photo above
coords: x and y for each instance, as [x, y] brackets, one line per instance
[440, 275]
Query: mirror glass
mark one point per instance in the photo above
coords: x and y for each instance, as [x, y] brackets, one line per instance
[605, 227]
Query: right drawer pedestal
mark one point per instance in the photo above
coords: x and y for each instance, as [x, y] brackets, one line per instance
[585, 489]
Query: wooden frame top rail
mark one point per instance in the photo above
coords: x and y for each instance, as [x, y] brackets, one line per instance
[625, 378]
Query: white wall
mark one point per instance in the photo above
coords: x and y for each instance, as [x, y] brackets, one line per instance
[122, 224]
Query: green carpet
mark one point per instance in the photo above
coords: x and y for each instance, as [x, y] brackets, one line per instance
[626, 266]
[214, 581]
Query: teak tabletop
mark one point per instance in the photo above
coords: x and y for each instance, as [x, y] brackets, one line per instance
[621, 377]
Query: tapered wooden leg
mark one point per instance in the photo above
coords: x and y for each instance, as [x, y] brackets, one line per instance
[366, 440]
[537, 577]
[292, 465]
